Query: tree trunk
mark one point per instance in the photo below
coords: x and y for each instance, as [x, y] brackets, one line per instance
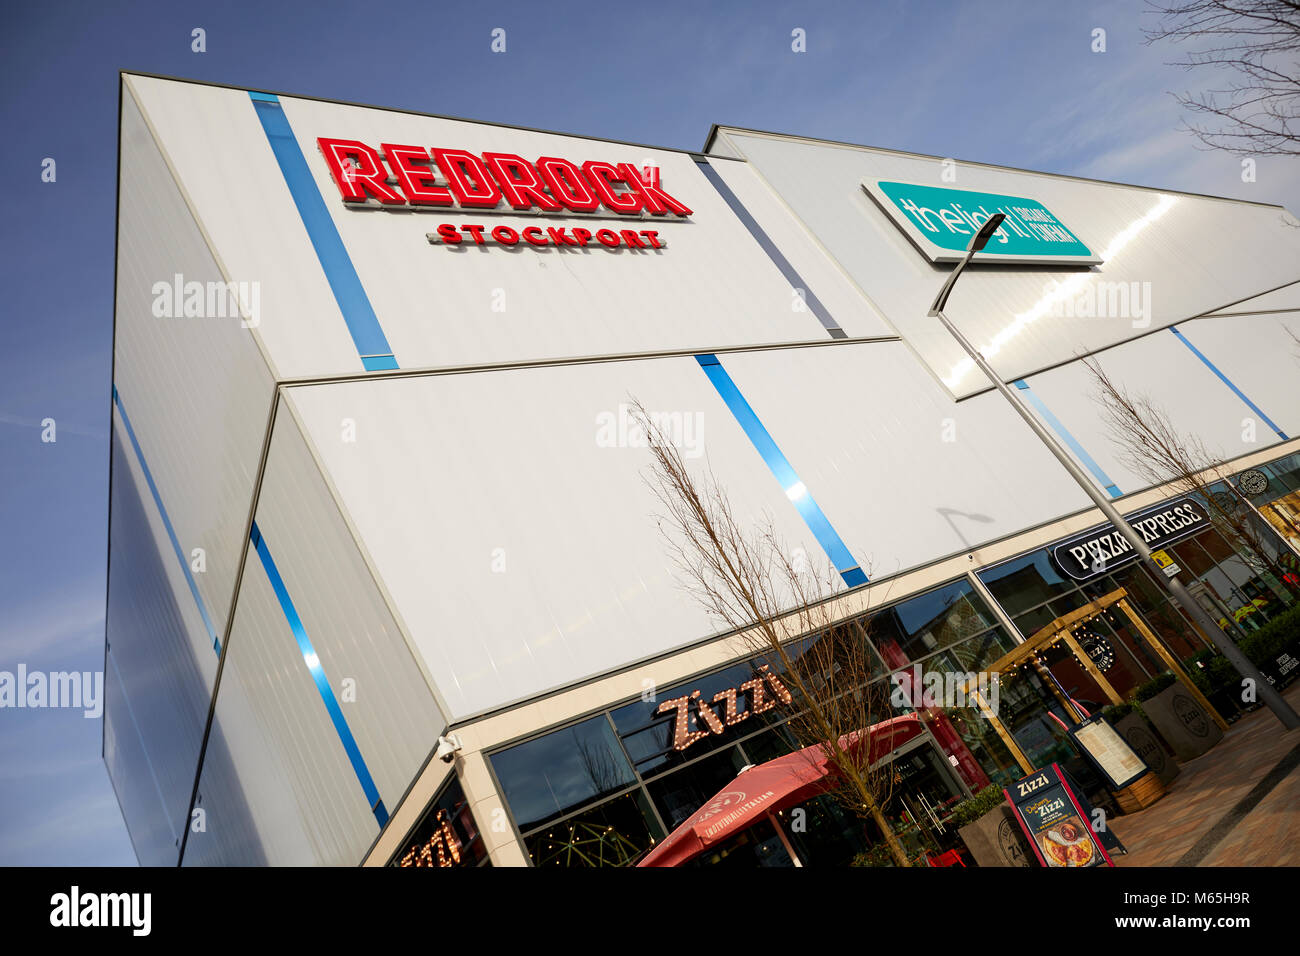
[891, 838]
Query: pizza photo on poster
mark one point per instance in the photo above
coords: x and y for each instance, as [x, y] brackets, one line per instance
[1067, 843]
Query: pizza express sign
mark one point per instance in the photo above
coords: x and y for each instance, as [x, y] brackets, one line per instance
[412, 177]
[1095, 552]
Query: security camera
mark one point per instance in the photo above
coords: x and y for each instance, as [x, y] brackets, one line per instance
[448, 747]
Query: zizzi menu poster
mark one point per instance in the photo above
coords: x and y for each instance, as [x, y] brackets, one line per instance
[1051, 817]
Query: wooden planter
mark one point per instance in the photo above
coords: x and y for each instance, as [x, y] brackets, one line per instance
[1182, 721]
[1140, 794]
[1145, 741]
[995, 839]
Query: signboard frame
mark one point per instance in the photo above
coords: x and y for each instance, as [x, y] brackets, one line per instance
[1111, 781]
[1042, 784]
[1070, 562]
[980, 200]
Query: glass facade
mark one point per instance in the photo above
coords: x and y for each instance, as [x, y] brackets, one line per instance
[607, 788]
[446, 836]
[1240, 591]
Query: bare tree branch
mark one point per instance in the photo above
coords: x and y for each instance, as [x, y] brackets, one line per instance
[780, 607]
[1258, 43]
[1148, 444]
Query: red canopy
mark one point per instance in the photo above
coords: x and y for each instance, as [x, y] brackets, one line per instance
[769, 787]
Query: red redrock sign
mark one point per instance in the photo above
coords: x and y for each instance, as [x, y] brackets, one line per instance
[471, 181]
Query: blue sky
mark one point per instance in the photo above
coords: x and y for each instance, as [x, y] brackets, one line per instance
[899, 75]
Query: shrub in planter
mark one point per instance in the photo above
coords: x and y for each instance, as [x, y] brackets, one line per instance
[1275, 647]
[1155, 685]
[1217, 679]
[972, 808]
[988, 828]
[1117, 712]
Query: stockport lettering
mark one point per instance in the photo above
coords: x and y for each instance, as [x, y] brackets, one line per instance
[396, 175]
[450, 234]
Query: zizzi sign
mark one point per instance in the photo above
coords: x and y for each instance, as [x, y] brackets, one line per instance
[728, 713]
[412, 176]
[1095, 552]
[941, 223]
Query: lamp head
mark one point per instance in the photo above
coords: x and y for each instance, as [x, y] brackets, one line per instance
[991, 225]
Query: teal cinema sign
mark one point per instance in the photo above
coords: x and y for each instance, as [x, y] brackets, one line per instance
[941, 222]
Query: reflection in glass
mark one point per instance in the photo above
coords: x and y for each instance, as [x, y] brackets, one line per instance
[616, 833]
[549, 776]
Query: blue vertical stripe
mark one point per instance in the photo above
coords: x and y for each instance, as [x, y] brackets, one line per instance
[780, 466]
[171, 532]
[1228, 382]
[318, 675]
[372, 345]
[765, 242]
[1079, 451]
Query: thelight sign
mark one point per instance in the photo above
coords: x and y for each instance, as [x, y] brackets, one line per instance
[941, 222]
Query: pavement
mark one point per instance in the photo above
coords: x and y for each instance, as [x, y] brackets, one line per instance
[1238, 804]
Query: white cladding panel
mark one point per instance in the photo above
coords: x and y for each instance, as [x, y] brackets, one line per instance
[196, 389]
[277, 787]
[1284, 299]
[823, 279]
[1176, 255]
[160, 667]
[445, 306]
[224, 164]
[1165, 370]
[1260, 354]
[507, 515]
[269, 708]
[907, 474]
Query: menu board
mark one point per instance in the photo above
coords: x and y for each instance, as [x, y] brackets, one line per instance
[1048, 810]
[1108, 751]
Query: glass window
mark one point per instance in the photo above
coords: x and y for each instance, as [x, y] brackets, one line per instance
[616, 833]
[1025, 582]
[919, 626]
[552, 775]
[649, 728]
[679, 794]
[1283, 477]
[446, 836]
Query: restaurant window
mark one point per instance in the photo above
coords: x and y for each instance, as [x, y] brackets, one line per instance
[617, 832]
[918, 627]
[678, 795]
[655, 737]
[1279, 505]
[446, 835]
[553, 775]
[1025, 583]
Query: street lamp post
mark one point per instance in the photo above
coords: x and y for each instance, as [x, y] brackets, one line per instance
[1267, 693]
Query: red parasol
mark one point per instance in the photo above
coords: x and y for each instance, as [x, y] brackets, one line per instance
[758, 792]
